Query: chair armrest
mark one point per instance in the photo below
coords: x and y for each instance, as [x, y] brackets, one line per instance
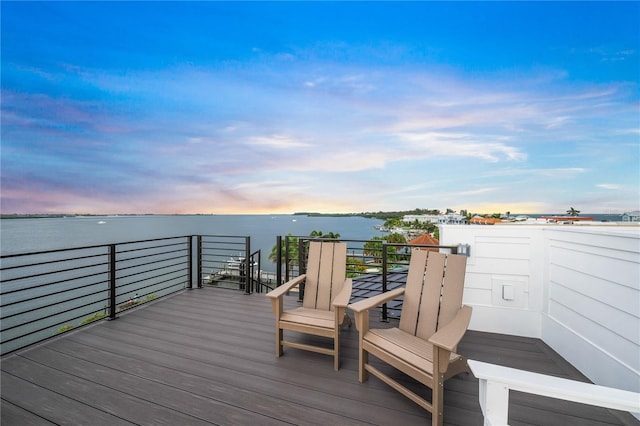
[342, 299]
[372, 302]
[284, 288]
[450, 335]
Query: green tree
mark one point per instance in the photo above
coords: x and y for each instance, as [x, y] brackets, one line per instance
[573, 212]
[293, 249]
[293, 246]
[320, 234]
[393, 222]
[355, 267]
[373, 248]
[395, 238]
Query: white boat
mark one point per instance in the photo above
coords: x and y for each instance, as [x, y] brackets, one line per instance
[234, 263]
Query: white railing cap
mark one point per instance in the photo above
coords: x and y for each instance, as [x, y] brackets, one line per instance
[557, 387]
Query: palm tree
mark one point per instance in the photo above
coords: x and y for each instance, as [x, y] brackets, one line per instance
[320, 234]
[573, 212]
[293, 250]
[293, 246]
[373, 248]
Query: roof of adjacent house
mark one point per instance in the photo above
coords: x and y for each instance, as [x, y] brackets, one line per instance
[426, 239]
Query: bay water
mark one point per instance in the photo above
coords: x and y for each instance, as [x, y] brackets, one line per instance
[40, 234]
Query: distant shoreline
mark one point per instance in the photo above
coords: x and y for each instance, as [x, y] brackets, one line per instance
[59, 216]
[370, 215]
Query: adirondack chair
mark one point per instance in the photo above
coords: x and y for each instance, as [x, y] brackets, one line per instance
[326, 295]
[432, 323]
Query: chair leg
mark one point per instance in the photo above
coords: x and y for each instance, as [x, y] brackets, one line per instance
[362, 324]
[437, 400]
[279, 347]
[363, 359]
[336, 349]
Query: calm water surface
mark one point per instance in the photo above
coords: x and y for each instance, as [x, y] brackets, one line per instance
[28, 235]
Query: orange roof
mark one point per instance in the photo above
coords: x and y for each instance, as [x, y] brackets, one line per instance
[485, 220]
[426, 239]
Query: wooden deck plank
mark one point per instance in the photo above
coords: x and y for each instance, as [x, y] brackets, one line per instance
[218, 353]
[248, 370]
[206, 356]
[267, 396]
[219, 349]
[94, 389]
[199, 402]
[13, 415]
[59, 409]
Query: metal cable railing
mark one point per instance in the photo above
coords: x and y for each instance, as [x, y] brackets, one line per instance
[48, 292]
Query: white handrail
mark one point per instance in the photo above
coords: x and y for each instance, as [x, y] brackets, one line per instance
[496, 381]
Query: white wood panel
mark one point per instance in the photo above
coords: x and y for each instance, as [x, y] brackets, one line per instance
[591, 311]
[622, 240]
[599, 366]
[516, 322]
[624, 298]
[596, 264]
[583, 291]
[476, 296]
[503, 247]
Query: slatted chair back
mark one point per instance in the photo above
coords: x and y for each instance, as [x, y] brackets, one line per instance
[433, 294]
[326, 271]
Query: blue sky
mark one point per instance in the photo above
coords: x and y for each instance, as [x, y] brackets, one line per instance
[242, 107]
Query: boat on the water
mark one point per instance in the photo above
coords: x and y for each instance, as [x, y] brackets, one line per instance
[235, 263]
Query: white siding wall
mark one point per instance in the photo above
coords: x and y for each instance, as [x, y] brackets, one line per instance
[503, 258]
[575, 287]
[592, 313]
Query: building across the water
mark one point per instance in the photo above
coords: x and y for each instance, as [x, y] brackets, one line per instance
[567, 219]
[633, 216]
[441, 219]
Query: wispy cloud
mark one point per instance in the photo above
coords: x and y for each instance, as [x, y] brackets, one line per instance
[326, 118]
[278, 142]
[609, 186]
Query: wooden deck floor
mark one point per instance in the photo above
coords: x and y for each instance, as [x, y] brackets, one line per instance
[207, 356]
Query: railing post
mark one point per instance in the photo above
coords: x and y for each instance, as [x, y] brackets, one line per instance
[199, 270]
[112, 282]
[302, 267]
[258, 281]
[279, 261]
[247, 263]
[494, 402]
[190, 262]
[286, 260]
[384, 278]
